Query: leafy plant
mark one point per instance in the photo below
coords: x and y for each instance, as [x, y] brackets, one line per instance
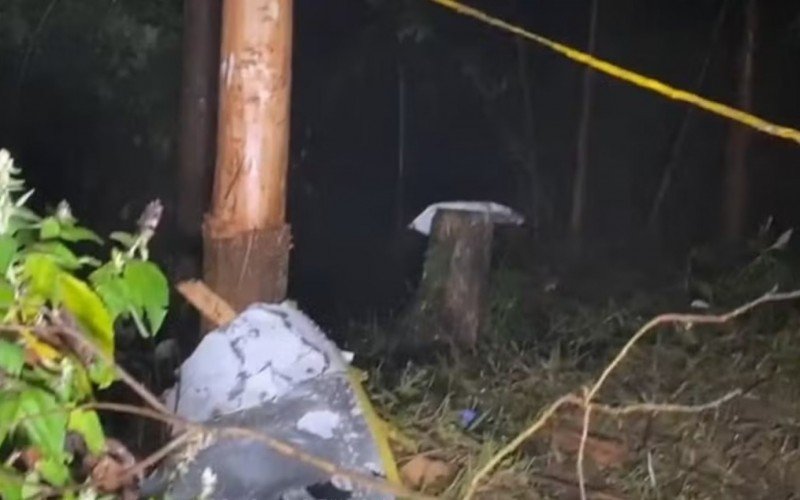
[57, 314]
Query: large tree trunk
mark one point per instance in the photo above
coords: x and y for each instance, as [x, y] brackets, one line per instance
[736, 181]
[246, 237]
[582, 150]
[198, 115]
[450, 307]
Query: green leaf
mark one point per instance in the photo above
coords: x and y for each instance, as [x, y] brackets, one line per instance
[87, 424]
[103, 274]
[33, 487]
[62, 255]
[26, 214]
[149, 290]
[115, 295]
[6, 294]
[81, 383]
[8, 249]
[108, 283]
[125, 239]
[41, 271]
[50, 229]
[9, 407]
[10, 484]
[75, 234]
[89, 311]
[53, 471]
[12, 358]
[102, 374]
[41, 417]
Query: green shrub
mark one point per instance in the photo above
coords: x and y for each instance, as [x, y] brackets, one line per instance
[58, 309]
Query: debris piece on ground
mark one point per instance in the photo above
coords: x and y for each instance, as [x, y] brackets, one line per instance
[495, 212]
[273, 371]
[424, 473]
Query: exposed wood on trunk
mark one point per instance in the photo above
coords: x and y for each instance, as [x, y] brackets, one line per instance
[736, 178]
[198, 125]
[249, 267]
[246, 238]
[582, 150]
[451, 303]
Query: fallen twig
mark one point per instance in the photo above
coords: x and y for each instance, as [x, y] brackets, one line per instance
[79, 337]
[585, 401]
[160, 413]
[278, 446]
[686, 319]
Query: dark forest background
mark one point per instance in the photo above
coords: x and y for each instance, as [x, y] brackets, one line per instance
[89, 95]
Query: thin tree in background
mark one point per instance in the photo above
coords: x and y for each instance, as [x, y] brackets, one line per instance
[736, 179]
[400, 221]
[246, 238]
[539, 211]
[679, 138]
[577, 215]
[198, 125]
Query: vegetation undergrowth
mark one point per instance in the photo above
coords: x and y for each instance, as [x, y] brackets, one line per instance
[58, 307]
[725, 396]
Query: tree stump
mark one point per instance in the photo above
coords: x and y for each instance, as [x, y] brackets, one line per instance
[450, 306]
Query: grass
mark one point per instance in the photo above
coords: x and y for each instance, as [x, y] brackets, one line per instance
[546, 344]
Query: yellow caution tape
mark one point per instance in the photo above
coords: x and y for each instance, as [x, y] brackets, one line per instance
[629, 76]
[376, 425]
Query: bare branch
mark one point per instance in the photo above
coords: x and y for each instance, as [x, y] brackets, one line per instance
[585, 401]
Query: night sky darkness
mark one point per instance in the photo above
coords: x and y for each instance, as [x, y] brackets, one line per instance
[349, 257]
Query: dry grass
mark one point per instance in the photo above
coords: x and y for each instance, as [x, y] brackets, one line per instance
[745, 444]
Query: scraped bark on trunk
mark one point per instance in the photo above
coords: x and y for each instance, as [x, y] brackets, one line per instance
[246, 238]
[450, 307]
[736, 178]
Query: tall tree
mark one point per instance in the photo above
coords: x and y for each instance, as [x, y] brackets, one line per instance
[246, 238]
[736, 178]
[198, 125]
[582, 150]
[680, 135]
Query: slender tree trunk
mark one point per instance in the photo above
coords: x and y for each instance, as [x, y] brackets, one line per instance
[582, 150]
[246, 237]
[531, 188]
[680, 136]
[401, 148]
[198, 125]
[736, 181]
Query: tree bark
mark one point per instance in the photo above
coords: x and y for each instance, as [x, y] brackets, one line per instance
[198, 125]
[246, 238]
[450, 307]
[736, 181]
[582, 150]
